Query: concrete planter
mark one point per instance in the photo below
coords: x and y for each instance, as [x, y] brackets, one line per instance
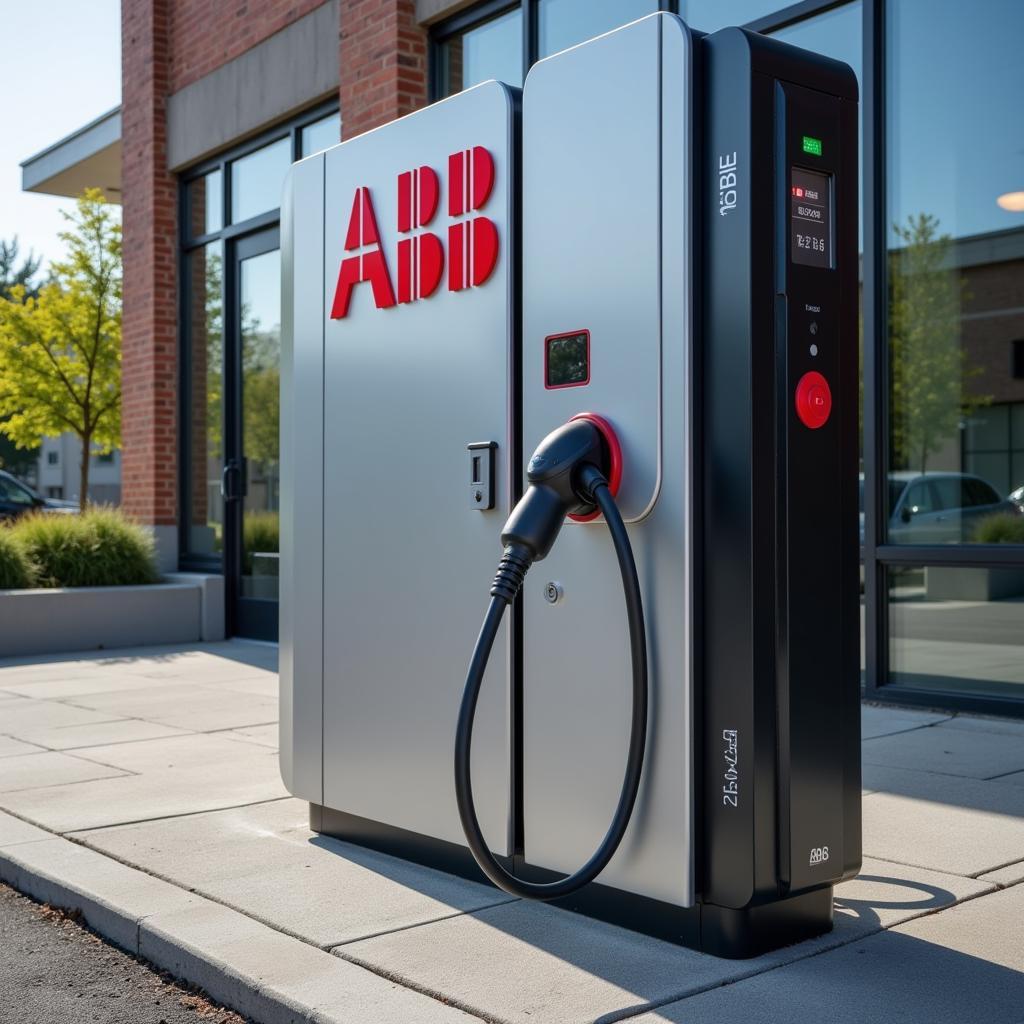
[945, 583]
[184, 608]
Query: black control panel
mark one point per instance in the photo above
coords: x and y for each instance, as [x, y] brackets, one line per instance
[778, 661]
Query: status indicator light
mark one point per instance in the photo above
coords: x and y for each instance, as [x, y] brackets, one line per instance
[812, 145]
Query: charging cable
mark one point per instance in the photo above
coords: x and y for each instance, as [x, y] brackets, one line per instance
[567, 475]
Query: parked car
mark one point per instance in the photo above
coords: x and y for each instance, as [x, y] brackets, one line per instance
[1017, 497]
[937, 508]
[17, 498]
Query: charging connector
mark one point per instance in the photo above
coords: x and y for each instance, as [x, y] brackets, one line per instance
[567, 475]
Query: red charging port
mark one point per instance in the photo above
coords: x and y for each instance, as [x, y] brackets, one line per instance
[614, 453]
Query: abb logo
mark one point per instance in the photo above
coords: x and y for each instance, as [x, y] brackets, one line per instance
[472, 239]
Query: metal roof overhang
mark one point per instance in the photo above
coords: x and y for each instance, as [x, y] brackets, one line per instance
[87, 158]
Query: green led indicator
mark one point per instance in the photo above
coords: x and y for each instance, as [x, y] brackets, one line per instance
[812, 145]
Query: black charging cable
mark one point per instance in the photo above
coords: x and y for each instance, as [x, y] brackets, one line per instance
[567, 475]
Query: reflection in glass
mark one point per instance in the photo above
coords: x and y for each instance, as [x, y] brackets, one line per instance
[955, 145]
[491, 50]
[321, 135]
[257, 180]
[260, 328]
[205, 203]
[206, 357]
[710, 15]
[564, 23]
[958, 629]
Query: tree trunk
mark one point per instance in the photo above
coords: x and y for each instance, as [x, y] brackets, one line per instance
[83, 478]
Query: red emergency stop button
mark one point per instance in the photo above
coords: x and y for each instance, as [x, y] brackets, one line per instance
[813, 400]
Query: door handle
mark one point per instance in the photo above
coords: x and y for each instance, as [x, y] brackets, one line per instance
[232, 480]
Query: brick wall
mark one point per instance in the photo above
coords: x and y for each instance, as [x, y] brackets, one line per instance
[205, 35]
[383, 63]
[167, 44]
[150, 337]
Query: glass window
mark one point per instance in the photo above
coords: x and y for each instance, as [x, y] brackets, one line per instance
[955, 150]
[564, 23]
[260, 335]
[257, 180]
[711, 15]
[14, 494]
[957, 629]
[491, 50]
[321, 135]
[205, 204]
[205, 457]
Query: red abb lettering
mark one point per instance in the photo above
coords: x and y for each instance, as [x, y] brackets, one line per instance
[369, 266]
[420, 258]
[472, 243]
[472, 239]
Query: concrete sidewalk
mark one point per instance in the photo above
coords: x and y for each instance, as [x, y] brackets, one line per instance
[142, 787]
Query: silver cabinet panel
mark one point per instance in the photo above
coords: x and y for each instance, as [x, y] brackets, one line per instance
[408, 559]
[606, 246]
[302, 423]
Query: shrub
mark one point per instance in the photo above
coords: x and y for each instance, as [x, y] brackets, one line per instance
[261, 532]
[16, 569]
[1000, 528]
[99, 548]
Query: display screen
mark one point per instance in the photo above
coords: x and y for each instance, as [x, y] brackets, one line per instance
[567, 360]
[810, 218]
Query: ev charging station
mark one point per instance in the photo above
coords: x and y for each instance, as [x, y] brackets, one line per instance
[605, 328]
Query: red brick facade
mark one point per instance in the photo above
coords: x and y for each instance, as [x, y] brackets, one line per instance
[149, 328]
[205, 35]
[166, 45]
[383, 63]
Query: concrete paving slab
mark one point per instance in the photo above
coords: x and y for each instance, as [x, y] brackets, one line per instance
[274, 978]
[886, 894]
[10, 747]
[957, 825]
[80, 685]
[95, 734]
[264, 861]
[975, 723]
[131, 798]
[527, 962]
[183, 751]
[263, 735]
[884, 721]
[26, 716]
[14, 830]
[202, 665]
[1009, 875]
[265, 684]
[948, 752]
[580, 969]
[113, 898]
[48, 768]
[1014, 779]
[186, 706]
[965, 964]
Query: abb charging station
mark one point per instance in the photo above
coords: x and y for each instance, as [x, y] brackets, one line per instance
[591, 346]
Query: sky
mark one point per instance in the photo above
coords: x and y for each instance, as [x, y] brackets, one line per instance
[62, 69]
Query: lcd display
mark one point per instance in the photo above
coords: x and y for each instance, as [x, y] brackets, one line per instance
[567, 360]
[810, 218]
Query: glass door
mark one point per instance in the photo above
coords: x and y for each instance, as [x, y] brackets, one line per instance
[251, 476]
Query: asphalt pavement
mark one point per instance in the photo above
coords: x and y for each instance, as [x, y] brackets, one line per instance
[54, 971]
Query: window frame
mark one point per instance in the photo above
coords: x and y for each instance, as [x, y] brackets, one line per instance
[879, 556]
[189, 561]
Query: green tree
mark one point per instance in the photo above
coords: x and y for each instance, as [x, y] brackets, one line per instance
[930, 369]
[60, 353]
[12, 274]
